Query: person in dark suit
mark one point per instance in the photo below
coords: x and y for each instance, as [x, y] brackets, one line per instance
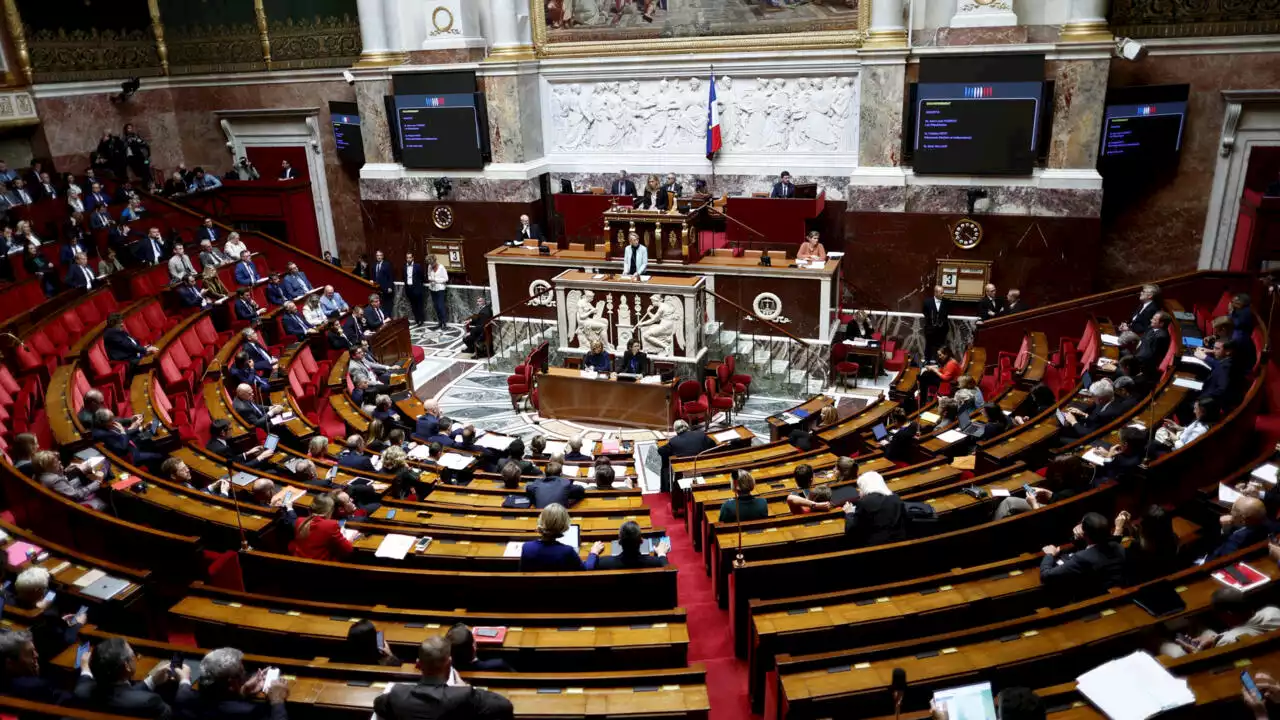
[553, 489]
[120, 345]
[1013, 302]
[529, 231]
[877, 516]
[463, 650]
[597, 359]
[1104, 408]
[634, 360]
[432, 698]
[354, 456]
[1126, 456]
[414, 278]
[37, 265]
[1088, 572]
[21, 671]
[246, 273]
[653, 197]
[1154, 344]
[473, 329]
[784, 188]
[293, 323]
[671, 187]
[121, 440]
[382, 274]
[96, 198]
[685, 443]
[275, 291]
[251, 412]
[859, 327]
[1148, 305]
[295, 282]
[1242, 317]
[106, 682]
[207, 232]
[79, 275]
[245, 307]
[119, 238]
[189, 293]
[1226, 381]
[630, 537]
[547, 553]
[336, 336]
[287, 171]
[226, 690]
[89, 404]
[242, 371]
[623, 185]
[1245, 525]
[430, 423]
[353, 327]
[991, 305]
[374, 316]
[150, 250]
[219, 444]
[937, 321]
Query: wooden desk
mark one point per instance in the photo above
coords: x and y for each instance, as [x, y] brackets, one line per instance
[779, 428]
[566, 395]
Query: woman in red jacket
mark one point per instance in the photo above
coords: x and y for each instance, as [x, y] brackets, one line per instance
[934, 375]
[318, 536]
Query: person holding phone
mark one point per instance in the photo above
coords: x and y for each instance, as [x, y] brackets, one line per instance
[1257, 691]
[318, 536]
[366, 645]
[440, 693]
[464, 648]
[106, 682]
[1232, 610]
[547, 553]
[630, 539]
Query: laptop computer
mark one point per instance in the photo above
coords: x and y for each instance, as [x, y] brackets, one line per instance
[1159, 599]
[879, 432]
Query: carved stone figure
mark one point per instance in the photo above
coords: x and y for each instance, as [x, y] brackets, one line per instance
[587, 321]
[662, 327]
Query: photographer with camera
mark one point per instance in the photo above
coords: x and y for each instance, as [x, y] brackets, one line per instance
[246, 170]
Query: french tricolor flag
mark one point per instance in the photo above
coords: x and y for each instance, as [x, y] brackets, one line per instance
[714, 142]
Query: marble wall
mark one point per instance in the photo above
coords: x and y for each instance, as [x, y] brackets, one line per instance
[1155, 229]
[880, 117]
[515, 117]
[181, 127]
[1005, 200]
[1080, 91]
[835, 186]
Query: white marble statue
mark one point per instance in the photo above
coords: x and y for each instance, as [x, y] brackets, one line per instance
[662, 327]
[587, 320]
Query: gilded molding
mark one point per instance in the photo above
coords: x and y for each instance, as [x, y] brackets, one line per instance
[19, 36]
[1089, 31]
[260, 13]
[157, 27]
[1194, 18]
[819, 40]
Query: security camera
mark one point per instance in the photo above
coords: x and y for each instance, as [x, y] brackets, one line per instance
[1130, 49]
[346, 75]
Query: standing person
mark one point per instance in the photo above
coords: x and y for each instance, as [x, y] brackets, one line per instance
[635, 257]
[438, 277]
[413, 284]
[937, 321]
[992, 305]
[137, 153]
[361, 268]
[381, 274]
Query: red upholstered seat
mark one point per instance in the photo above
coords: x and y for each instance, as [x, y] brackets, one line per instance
[738, 378]
[719, 400]
[844, 365]
[693, 405]
[173, 379]
[138, 327]
[895, 358]
[519, 384]
[197, 350]
[208, 334]
[103, 372]
[156, 319]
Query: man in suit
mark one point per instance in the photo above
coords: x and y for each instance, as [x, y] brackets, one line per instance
[121, 440]
[463, 651]
[45, 189]
[19, 194]
[219, 444]
[354, 456]
[120, 345]
[554, 489]
[21, 677]
[208, 232]
[244, 306]
[1245, 525]
[433, 698]
[331, 302]
[414, 275]
[1126, 456]
[635, 257]
[361, 364]
[106, 682]
[991, 305]
[150, 250]
[630, 537]
[353, 328]
[293, 322]
[287, 172]
[211, 256]
[246, 271]
[263, 361]
[253, 413]
[275, 291]
[190, 294]
[1155, 343]
[1090, 571]
[529, 231]
[1148, 304]
[473, 331]
[92, 401]
[1226, 381]
[295, 282]
[685, 443]
[382, 274]
[374, 317]
[1105, 408]
[226, 692]
[79, 275]
[180, 265]
[1013, 302]
[672, 187]
[784, 188]
[937, 321]
[100, 217]
[96, 198]
[623, 185]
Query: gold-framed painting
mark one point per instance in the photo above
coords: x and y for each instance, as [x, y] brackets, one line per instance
[593, 28]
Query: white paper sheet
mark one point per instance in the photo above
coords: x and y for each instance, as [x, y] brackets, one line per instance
[89, 578]
[1192, 359]
[395, 546]
[1134, 687]
[1188, 383]
[1266, 473]
[951, 436]
[513, 549]
[1093, 457]
[455, 461]
[1110, 339]
[1227, 494]
[725, 436]
[494, 441]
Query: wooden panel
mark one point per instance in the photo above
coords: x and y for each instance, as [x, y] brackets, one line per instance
[566, 395]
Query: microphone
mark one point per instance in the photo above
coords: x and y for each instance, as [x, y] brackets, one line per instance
[899, 689]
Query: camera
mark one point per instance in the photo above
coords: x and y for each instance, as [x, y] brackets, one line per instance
[346, 75]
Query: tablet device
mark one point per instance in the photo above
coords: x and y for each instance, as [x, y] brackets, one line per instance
[971, 702]
[1194, 342]
[272, 442]
[879, 432]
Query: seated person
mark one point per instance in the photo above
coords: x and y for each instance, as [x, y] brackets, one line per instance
[336, 337]
[311, 311]
[966, 382]
[354, 456]
[318, 536]
[53, 630]
[374, 316]
[799, 501]
[121, 440]
[362, 364]
[515, 451]
[24, 448]
[79, 482]
[92, 401]
[806, 439]
[245, 307]
[246, 272]
[878, 516]
[441, 692]
[634, 361]
[106, 682]
[597, 359]
[227, 691]
[811, 248]
[933, 375]
[190, 293]
[463, 651]
[251, 412]
[331, 302]
[1104, 408]
[1087, 572]
[121, 346]
[1245, 525]
[510, 473]
[432, 425]
[1153, 551]
[295, 282]
[630, 538]
[1126, 457]
[20, 671]
[901, 445]
[1040, 399]
[1065, 477]
[547, 553]
[538, 447]
[996, 422]
[554, 489]
[384, 411]
[1227, 381]
[219, 436]
[604, 475]
[274, 290]
[575, 450]
[743, 506]
[1236, 612]
[363, 648]
[473, 330]
[1206, 411]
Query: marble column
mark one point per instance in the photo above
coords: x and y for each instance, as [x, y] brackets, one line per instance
[1087, 22]
[506, 41]
[373, 118]
[373, 33]
[515, 116]
[883, 85]
[888, 29]
[1080, 93]
[983, 13]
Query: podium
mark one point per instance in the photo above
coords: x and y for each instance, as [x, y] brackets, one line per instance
[781, 221]
[669, 236]
[663, 312]
[391, 344]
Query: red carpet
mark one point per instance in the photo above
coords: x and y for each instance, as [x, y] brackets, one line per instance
[710, 634]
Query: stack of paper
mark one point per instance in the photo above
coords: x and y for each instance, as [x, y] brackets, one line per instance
[1110, 339]
[494, 441]
[1095, 458]
[455, 461]
[951, 436]
[422, 452]
[789, 418]
[1188, 383]
[1266, 473]
[931, 418]
[725, 436]
[1194, 360]
[395, 546]
[1135, 687]
[555, 447]
[89, 578]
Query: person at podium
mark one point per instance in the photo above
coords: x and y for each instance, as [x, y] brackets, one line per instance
[529, 231]
[623, 185]
[653, 197]
[784, 188]
[671, 186]
[811, 248]
[597, 359]
[634, 360]
[635, 257]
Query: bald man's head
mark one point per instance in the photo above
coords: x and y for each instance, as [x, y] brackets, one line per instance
[243, 391]
[1248, 511]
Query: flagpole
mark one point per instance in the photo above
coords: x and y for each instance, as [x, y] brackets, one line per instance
[713, 155]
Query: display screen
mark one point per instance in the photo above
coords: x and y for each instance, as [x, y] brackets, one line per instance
[439, 131]
[1142, 127]
[345, 118]
[978, 115]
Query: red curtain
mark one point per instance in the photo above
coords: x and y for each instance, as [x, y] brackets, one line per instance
[267, 159]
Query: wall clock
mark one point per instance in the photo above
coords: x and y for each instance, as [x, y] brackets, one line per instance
[442, 216]
[966, 233]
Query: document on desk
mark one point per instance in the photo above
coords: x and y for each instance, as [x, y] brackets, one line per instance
[1266, 473]
[1134, 687]
[1193, 360]
[513, 549]
[494, 441]
[1188, 383]
[395, 546]
[1227, 494]
[951, 436]
[556, 447]
[350, 534]
[89, 578]
[1110, 339]
[931, 418]
[645, 278]
[725, 436]
[422, 452]
[455, 461]
[1094, 457]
